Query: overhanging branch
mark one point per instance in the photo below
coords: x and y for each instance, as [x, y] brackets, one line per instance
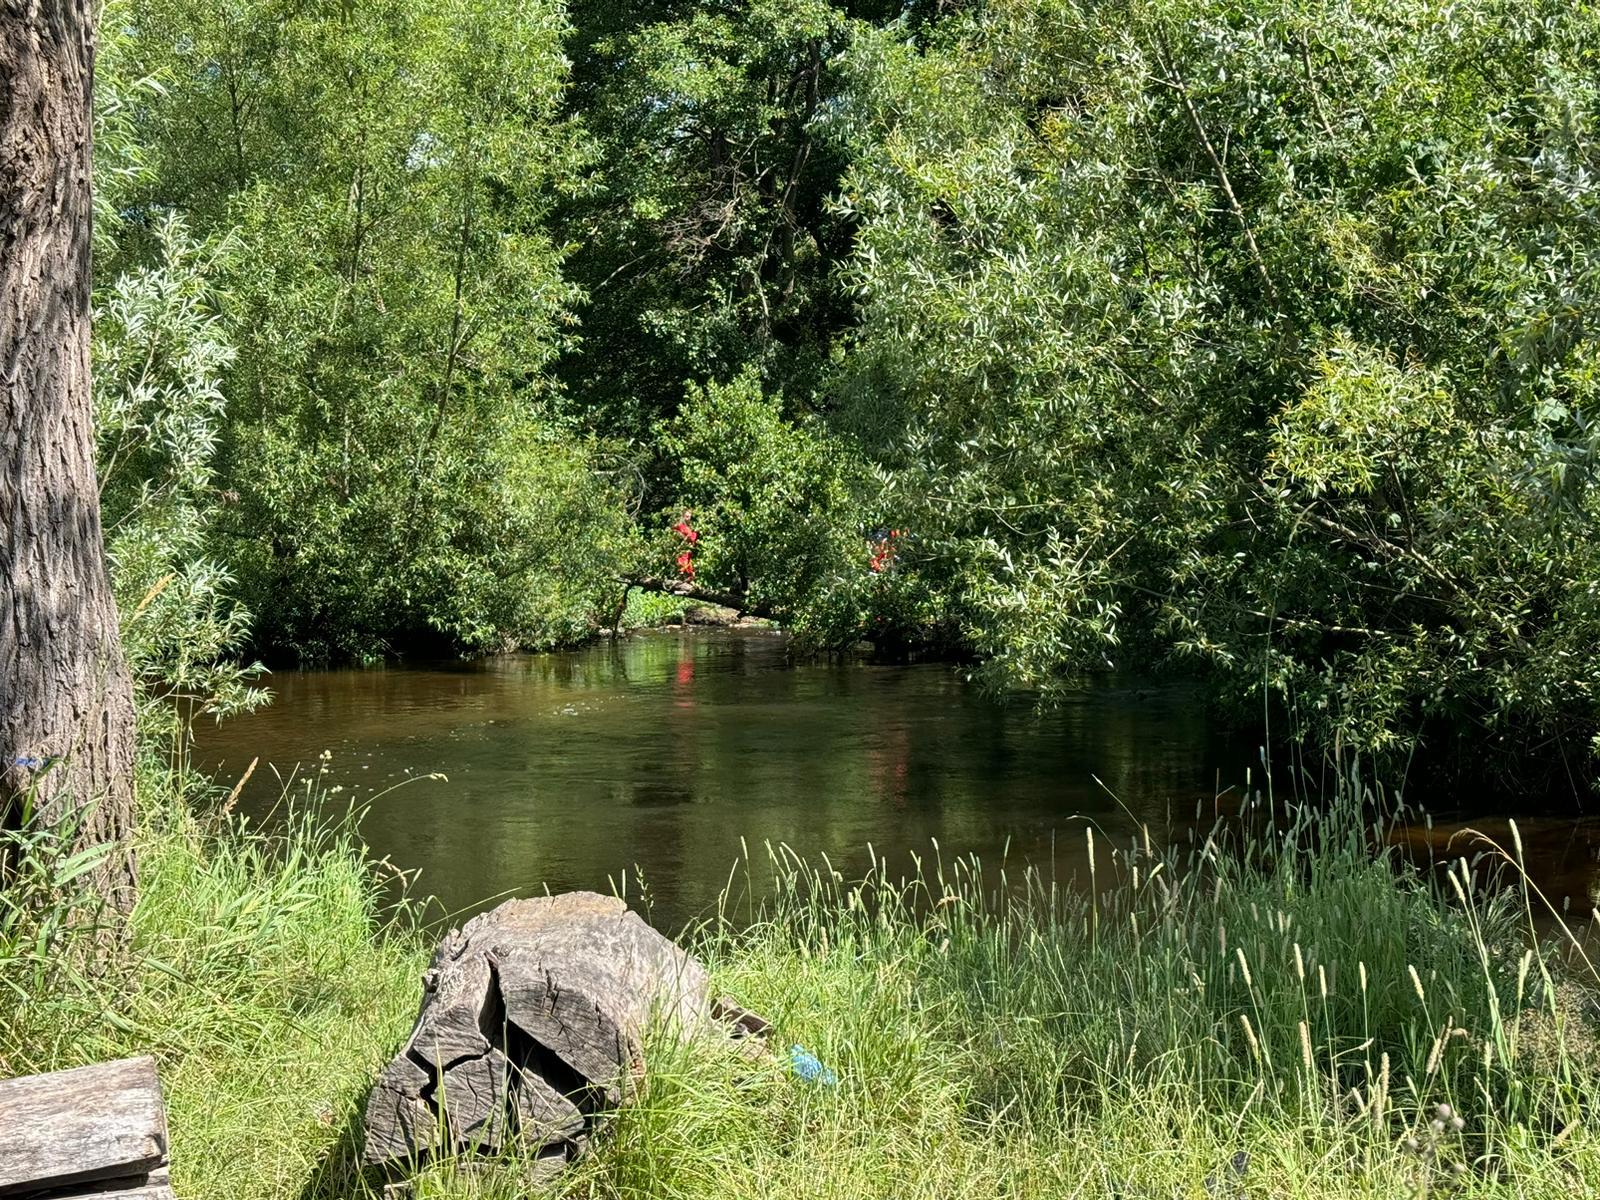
[690, 591]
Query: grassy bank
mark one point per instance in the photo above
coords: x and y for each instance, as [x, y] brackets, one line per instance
[1282, 1017]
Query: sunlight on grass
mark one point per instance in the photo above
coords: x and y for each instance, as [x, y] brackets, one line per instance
[1274, 1014]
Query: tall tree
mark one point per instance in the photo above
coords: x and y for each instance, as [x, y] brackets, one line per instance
[1254, 338]
[390, 436]
[66, 703]
[705, 242]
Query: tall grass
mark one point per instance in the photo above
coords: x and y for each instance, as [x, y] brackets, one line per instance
[1291, 1014]
[260, 969]
[1275, 1013]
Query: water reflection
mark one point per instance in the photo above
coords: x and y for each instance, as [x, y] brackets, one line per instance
[670, 752]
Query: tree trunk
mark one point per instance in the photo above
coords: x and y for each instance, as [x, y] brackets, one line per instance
[533, 1028]
[66, 702]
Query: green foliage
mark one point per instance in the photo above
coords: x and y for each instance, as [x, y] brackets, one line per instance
[391, 433]
[1247, 338]
[535, 551]
[646, 610]
[160, 349]
[704, 238]
[48, 901]
[770, 498]
[159, 354]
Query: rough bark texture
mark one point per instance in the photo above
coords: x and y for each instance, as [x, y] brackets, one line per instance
[65, 695]
[99, 1129]
[532, 1027]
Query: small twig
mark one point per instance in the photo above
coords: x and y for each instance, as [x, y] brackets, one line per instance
[1175, 80]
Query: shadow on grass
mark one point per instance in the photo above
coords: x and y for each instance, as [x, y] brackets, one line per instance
[340, 1174]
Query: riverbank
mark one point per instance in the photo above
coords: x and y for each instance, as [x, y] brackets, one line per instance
[1284, 1018]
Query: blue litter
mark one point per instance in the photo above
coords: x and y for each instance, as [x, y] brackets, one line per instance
[809, 1067]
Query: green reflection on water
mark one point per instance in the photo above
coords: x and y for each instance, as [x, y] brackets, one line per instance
[664, 751]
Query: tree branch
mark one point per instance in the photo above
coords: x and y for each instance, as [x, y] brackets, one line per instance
[1175, 79]
[689, 591]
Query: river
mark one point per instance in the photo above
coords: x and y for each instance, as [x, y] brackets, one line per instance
[664, 756]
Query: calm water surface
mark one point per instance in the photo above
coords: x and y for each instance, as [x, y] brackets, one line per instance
[658, 756]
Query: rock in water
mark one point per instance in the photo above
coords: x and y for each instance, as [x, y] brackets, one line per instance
[532, 1025]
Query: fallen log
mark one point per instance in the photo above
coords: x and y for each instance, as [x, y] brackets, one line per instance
[532, 1027]
[682, 588]
[98, 1130]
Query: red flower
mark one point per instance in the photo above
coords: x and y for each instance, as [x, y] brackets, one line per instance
[686, 565]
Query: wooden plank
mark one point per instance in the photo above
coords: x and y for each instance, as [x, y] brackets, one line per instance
[155, 1186]
[103, 1121]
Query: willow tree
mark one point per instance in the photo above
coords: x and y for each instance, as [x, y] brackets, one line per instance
[66, 702]
[392, 445]
[1254, 339]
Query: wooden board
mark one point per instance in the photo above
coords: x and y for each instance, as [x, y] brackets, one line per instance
[155, 1186]
[104, 1121]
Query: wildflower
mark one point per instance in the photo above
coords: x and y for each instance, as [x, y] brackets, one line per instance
[28, 762]
[685, 563]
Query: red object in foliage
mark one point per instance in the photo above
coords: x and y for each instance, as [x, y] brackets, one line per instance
[688, 533]
[883, 551]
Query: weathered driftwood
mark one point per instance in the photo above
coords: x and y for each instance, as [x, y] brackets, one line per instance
[154, 1186]
[101, 1125]
[532, 1024]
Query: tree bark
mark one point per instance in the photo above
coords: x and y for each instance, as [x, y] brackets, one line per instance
[533, 1028]
[66, 701]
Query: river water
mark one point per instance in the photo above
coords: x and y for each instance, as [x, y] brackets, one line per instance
[666, 755]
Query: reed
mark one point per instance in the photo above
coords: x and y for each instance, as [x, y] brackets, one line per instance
[1272, 1009]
